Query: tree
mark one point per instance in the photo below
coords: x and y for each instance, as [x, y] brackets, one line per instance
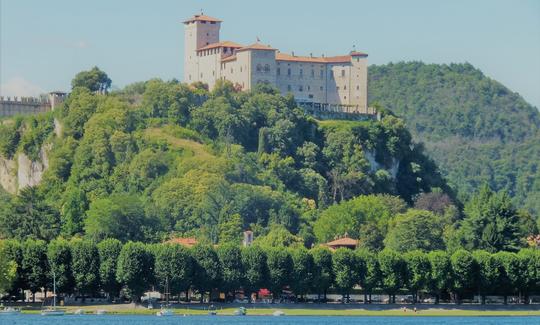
[119, 216]
[302, 272]
[34, 265]
[135, 269]
[8, 270]
[491, 223]
[12, 250]
[230, 230]
[489, 273]
[207, 274]
[511, 277]
[371, 237]
[278, 236]
[418, 272]
[31, 217]
[530, 266]
[415, 230]
[255, 265]
[372, 276]
[94, 80]
[441, 273]
[60, 262]
[109, 251]
[347, 271]
[393, 272]
[173, 266]
[85, 266]
[465, 273]
[280, 267]
[230, 257]
[323, 273]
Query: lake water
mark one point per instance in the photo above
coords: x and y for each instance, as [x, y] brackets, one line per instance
[248, 320]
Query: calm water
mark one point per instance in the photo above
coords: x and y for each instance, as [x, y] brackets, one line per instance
[247, 320]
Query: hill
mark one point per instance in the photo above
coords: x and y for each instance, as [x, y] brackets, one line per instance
[161, 158]
[476, 129]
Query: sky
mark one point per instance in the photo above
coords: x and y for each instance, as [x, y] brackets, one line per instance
[43, 44]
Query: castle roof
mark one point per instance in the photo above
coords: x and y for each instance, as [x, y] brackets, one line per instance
[256, 46]
[202, 18]
[220, 44]
[309, 59]
[229, 58]
[356, 53]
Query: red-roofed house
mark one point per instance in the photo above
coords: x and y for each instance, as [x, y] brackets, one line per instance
[342, 242]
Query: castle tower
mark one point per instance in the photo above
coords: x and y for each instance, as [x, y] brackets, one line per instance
[200, 30]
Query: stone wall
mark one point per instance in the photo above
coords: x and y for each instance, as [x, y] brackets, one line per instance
[10, 106]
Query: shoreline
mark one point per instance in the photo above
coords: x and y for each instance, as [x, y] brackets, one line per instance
[390, 310]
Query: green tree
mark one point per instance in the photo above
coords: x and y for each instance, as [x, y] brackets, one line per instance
[393, 272]
[94, 80]
[85, 266]
[119, 216]
[174, 266]
[255, 268]
[347, 271]
[230, 257]
[280, 268]
[530, 266]
[134, 269]
[489, 273]
[31, 217]
[415, 229]
[230, 229]
[208, 272]
[13, 251]
[491, 223]
[465, 273]
[302, 272]
[418, 272]
[109, 251]
[372, 276]
[8, 270]
[60, 262]
[34, 266]
[323, 273]
[511, 277]
[278, 236]
[441, 273]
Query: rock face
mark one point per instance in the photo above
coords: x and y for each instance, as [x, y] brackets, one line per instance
[20, 172]
[374, 165]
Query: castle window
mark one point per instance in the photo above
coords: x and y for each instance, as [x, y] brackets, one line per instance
[201, 75]
[189, 77]
[308, 88]
[213, 73]
[278, 71]
[344, 87]
[266, 68]
[322, 74]
[301, 72]
[289, 87]
[203, 22]
[321, 88]
[240, 69]
[310, 96]
[344, 97]
[312, 73]
[259, 67]
[213, 22]
[337, 88]
[207, 34]
[300, 88]
[343, 73]
[289, 71]
[357, 87]
[232, 70]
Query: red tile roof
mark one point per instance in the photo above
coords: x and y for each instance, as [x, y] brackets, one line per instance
[188, 242]
[346, 241]
[257, 46]
[220, 44]
[356, 53]
[202, 18]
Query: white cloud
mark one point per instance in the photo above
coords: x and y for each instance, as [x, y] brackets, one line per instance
[19, 86]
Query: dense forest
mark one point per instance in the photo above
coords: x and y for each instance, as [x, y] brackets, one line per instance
[162, 159]
[477, 130]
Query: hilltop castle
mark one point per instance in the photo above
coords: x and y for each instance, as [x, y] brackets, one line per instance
[337, 82]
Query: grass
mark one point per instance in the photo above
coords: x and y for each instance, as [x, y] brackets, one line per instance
[326, 311]
[196, 148]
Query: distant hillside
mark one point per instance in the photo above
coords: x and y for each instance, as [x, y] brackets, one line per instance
[476, 129]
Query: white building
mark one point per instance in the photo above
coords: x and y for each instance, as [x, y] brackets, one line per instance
[339, 81]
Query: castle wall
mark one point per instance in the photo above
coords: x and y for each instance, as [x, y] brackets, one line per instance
[23, 105]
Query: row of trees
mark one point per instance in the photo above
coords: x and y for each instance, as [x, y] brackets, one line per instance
[85, 268]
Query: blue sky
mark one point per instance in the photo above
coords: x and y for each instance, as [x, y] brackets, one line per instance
[44, 43]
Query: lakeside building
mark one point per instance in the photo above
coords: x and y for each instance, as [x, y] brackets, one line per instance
[328, 83]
